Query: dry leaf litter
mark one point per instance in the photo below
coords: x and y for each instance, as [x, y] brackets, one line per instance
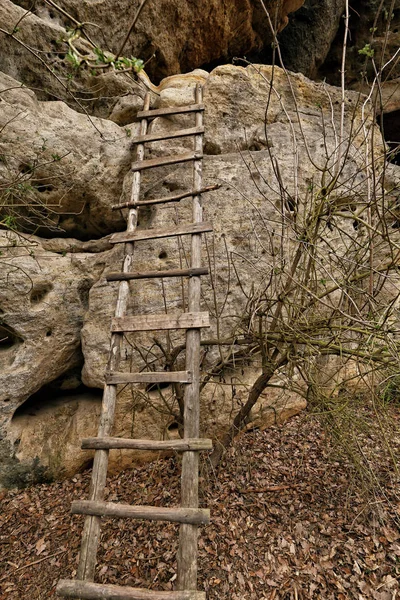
[287, 524]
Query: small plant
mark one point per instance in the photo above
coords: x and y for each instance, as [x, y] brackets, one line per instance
[367, 51]
[390, 391]
[99, 59]
[73, 58]
[9, 222]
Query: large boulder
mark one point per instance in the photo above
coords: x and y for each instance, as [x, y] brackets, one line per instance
[35, 53]
[46, 406]
[264, 147]
[213, 32]
[65, 168]
[43, 299]
[246, 144]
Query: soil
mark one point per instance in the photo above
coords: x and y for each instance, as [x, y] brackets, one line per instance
[288, 522]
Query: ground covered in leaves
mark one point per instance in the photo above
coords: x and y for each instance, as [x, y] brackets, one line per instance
[287, 523]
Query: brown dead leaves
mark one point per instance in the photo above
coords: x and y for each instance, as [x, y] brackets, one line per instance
[286, 525]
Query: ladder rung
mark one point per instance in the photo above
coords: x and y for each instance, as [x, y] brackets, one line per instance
[152, 234]
[154, 274]
[163, 321]
[150, 377]
[174, 198]
[164, 112]
[162, 161]
[191, 516]
[87, 590]
[194, 444]
[168, 135]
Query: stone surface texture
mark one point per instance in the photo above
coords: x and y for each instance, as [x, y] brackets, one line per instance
[216, 31]
[35, 54]
[43, 299]
[307, 39]
[55, 303]
[73, 163]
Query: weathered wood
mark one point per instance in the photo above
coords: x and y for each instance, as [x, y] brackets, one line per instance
[189, 515]
[187, 551]
[163, 161]
[155, 274]
[165, 112]
[167, 135]
[198, 516]
[174, 198]
[91, 530]
[150, 377]
[152, 234]
[101, 591]
[160, 321]
[197, 444]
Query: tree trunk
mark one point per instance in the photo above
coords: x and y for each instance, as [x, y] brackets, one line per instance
[258, 387]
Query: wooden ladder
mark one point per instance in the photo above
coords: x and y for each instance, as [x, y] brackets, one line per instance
[189, 515]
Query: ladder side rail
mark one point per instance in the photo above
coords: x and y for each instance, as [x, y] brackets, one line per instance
[188, 552]
[91, 530]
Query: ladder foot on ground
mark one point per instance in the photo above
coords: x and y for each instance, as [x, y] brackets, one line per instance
[189, 515]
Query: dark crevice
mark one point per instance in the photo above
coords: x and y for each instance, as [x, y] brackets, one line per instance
[213, 64]
[257, 146]
[50, 395]
[68, 384]
[153, 387]
[170, 186]
[40, 291]
[173, 427]
[83, 290]
[8, 338]
[211, 148]
[44, 187]
[390, 127]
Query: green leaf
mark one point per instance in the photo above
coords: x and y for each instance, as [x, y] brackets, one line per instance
[367, 51]
[73, 58]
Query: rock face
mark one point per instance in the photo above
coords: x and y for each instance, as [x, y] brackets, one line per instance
[216, 33]
[57, 297]
[43, 298]
[65, 163]
[36, 54]
[306, 41]
[47, 435]
[312, 44]
[371, 23]
[238, 156]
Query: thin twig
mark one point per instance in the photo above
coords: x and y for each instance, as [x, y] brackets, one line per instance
[36, 562]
